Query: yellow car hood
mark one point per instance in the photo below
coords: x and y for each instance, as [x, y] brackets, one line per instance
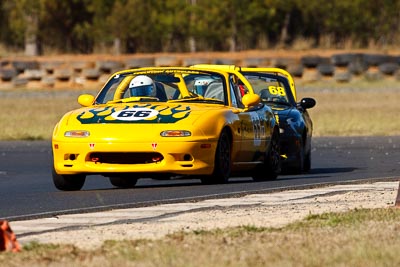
[141, 120]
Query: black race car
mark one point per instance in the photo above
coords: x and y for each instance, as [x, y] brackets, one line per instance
[277, 89]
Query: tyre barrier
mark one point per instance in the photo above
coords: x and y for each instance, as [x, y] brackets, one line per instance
[79, 72]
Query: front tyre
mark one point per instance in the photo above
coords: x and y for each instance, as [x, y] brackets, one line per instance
[68, 182]
[307, 162]
[298, 169]
[222, 161]
[123, 182]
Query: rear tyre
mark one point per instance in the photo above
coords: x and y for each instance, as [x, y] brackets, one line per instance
[222, 161]
[123, 182]
[70, 182]
[272, 162]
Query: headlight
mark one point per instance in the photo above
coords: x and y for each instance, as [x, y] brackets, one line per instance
[175, 133]
[76, 133]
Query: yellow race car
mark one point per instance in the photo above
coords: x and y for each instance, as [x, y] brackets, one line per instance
[277, 89]
[164, 122]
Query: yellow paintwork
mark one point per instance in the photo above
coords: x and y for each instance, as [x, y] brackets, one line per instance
[250, 132]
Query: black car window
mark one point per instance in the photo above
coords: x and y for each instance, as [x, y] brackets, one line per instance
[271, 87]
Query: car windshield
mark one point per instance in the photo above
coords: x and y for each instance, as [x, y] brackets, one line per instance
[270, 88]
[164, 85]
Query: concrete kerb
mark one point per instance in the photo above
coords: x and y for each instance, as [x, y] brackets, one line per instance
[314, 200]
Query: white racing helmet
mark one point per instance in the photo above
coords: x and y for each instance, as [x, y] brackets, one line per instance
[142, 85]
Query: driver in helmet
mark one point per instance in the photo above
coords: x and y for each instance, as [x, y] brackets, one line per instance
[201, 85]
[142, 85]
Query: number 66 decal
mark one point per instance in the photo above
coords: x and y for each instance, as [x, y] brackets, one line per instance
[134, 114]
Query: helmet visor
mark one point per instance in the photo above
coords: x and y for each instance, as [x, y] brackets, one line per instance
[144, 90]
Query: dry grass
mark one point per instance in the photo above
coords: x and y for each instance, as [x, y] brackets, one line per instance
[357, 238]
[357, 109]
[31, 115]
[356, 113]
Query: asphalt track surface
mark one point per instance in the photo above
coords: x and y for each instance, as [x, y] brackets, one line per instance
[27, 190]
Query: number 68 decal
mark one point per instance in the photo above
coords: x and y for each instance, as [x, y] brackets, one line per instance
[276, 90]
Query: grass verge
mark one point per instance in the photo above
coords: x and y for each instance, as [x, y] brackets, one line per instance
[360, 108]
[363, 237]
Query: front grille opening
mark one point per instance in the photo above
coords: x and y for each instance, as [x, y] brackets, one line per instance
[125, 157]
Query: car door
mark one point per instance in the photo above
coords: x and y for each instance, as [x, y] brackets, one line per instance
[253, 126]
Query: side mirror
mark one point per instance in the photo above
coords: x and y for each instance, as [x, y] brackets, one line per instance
[307, 102]
[86, 100]
[250, 100]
